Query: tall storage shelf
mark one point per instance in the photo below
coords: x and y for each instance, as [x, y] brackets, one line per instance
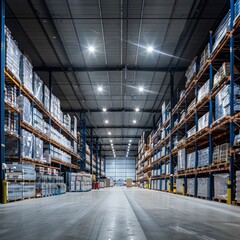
[195, 147]
[36, 131]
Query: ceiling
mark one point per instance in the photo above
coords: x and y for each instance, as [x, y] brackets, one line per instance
[56, 34]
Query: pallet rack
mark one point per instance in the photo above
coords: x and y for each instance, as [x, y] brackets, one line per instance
[182, 135]
[9, 78]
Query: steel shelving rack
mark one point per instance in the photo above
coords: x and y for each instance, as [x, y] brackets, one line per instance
[185, 115]
[8, 78]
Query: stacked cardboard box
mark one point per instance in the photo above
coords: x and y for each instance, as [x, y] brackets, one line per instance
[221, 153]
[203, 91]
[220, 185]
[25, 106]
[13, 55]
[221, 31]
[203, 157]
[237, 198]
[46, 99]
[10, 93]
[128, 182]
[191, 71]
[190, 186]
[191, 160]
[27, 142]
[191, 132]
[179, 184]
[203, 187]
[38, 87]
[26, 70]
[222, 101]
[11, 122]
[79, 182]
[203, 121]
[181, 160]
[38, 150]
[38, 120]
[205, 56]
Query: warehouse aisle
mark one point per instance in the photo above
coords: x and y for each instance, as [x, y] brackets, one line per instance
[119, 213]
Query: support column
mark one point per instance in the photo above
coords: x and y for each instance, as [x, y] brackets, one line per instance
[231, 193]
[2, 110]
[210, 119]
[83, 133]
[91, 152]
[97, 158]
[171, 127]
[100, 159]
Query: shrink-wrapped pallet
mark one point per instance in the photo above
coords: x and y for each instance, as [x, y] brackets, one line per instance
[203, 121]
[191, 160]
[181, 160]
[25, 106]
[203, 157]
[190, 186]
[13, 55]
[26, 70]
[220, 185]
[203, 187]
[27, 142]
[203, 91]
[179, 184]
[38, 87]
[237, 198]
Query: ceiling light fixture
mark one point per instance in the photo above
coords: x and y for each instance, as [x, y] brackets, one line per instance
[106, 121]
[100, 88]
[104, 109]
[134, 121]
[149, 49]
[111, 140]
[137, 109]
[91, 49]
[130, 140]
[129, 144]
[140, 89]
[109, 133]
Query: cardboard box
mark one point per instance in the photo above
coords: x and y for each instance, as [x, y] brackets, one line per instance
[128, 182]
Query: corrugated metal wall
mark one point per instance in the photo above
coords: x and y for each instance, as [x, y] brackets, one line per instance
[120, 168]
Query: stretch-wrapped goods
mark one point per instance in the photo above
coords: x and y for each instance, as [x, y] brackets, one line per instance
[38, 87]
[27, 142]
[25, 106]
[203, 157]
[179, 184]
[181, 160]
[220, 185]
[203, 187]
[26, 70]
[13, 55]
[191, 160]
[190, 186]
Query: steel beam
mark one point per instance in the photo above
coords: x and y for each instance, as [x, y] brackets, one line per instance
[111, 110]
[117, 127]
[2, 110]
[108, 68]
[118, 137]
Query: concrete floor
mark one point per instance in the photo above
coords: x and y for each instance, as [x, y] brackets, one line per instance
[119, 213]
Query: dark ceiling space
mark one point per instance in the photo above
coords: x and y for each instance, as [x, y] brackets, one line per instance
[57, 34]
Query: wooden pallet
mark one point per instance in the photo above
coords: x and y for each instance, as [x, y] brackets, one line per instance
[219, 200]
[201, 197]
[20, 199]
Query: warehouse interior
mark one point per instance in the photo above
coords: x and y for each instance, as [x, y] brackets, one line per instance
[120, 119]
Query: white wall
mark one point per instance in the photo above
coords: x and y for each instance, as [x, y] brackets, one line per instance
[120, 168]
